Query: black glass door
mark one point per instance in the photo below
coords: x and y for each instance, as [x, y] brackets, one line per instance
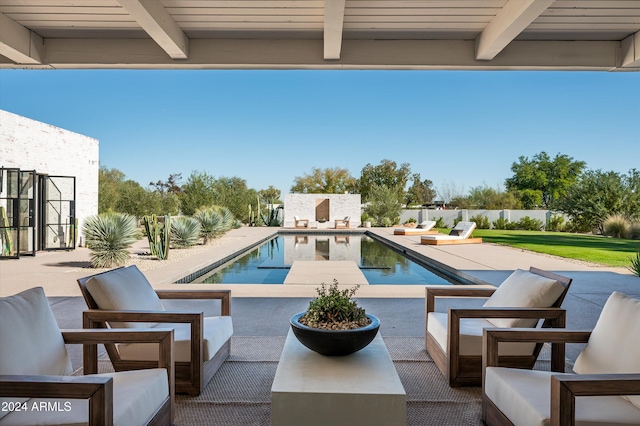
[17, 224]
[58, 213]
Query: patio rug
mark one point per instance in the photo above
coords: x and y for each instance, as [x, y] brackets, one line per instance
[240, 392]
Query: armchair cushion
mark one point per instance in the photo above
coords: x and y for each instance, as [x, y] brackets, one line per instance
[31, 340]
[525, 290]
[613, 346]
[471, 335]
[525, 395]
[136, 397]
[124, 289]
[217, 330]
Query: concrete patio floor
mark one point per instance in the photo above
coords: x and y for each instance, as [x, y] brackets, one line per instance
[264, 310]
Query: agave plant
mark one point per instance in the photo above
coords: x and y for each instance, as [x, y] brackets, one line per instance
[109, 235]
[635, 263]
[227, 218]
[185, 231]
[211, 222]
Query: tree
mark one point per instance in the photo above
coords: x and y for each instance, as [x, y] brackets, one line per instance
[197, 192]
[386, 174]
[271, 195]
[133, 199]
[449, 191]
[171, 185]
[543, 178]
[631, 204]
[421, 192]
[233, 193]
[109, 180]
[597, 195]
[486, 198]
[324, 181]
[383, 205]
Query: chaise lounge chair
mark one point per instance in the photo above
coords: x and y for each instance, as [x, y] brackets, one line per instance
[608, 373]
[424, 228]
[35, 371]
[123, 297]
[460, 234]
[300, 223]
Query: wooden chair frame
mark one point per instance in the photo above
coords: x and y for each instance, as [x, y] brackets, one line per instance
[563, 389]
[97, 389]
[190, 377]
[466, 370]
[300, 223]
[342, 223]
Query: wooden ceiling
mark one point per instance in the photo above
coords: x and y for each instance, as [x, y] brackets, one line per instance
[321, 34]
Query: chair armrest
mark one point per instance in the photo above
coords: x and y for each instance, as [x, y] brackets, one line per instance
[431, 292]
[564, 390]
[94, 318]
[556, 315]
[97, 389]
[223, 295]
[91, 338]
[557, 338]
[91, 317]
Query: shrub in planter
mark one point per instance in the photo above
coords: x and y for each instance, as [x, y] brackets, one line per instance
[335, 309]
[334, 324]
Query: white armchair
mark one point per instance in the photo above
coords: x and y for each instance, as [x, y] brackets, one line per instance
[608, 371]
[454, 339]
[35, 372]
[124, 297]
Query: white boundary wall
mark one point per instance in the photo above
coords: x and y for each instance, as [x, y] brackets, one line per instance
[32, 145]
[450, 215]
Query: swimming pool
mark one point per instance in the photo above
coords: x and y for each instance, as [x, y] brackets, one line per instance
[270, 262]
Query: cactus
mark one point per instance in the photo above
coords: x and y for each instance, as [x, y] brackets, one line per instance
[158, 233]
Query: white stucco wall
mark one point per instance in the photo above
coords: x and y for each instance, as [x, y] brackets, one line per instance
[32, 145]
[321, 247]
[304, 206]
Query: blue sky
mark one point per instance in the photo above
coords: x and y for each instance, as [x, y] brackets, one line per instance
[457, 128]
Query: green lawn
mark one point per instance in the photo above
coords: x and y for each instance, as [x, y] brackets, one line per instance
[590, 248]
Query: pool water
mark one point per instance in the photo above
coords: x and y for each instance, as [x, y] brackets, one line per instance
[270, 262]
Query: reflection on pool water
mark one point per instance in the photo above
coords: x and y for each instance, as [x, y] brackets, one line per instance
[270, 262]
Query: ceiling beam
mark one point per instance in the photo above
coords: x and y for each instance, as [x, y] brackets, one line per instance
[18, 43]
[631, 51]
[303, 54]
[511, 20]
[160, 26]
[333, 23]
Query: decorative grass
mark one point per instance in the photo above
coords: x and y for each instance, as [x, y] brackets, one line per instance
[589, 248]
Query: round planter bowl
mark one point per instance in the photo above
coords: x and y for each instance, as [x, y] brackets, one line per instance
[335, 342]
